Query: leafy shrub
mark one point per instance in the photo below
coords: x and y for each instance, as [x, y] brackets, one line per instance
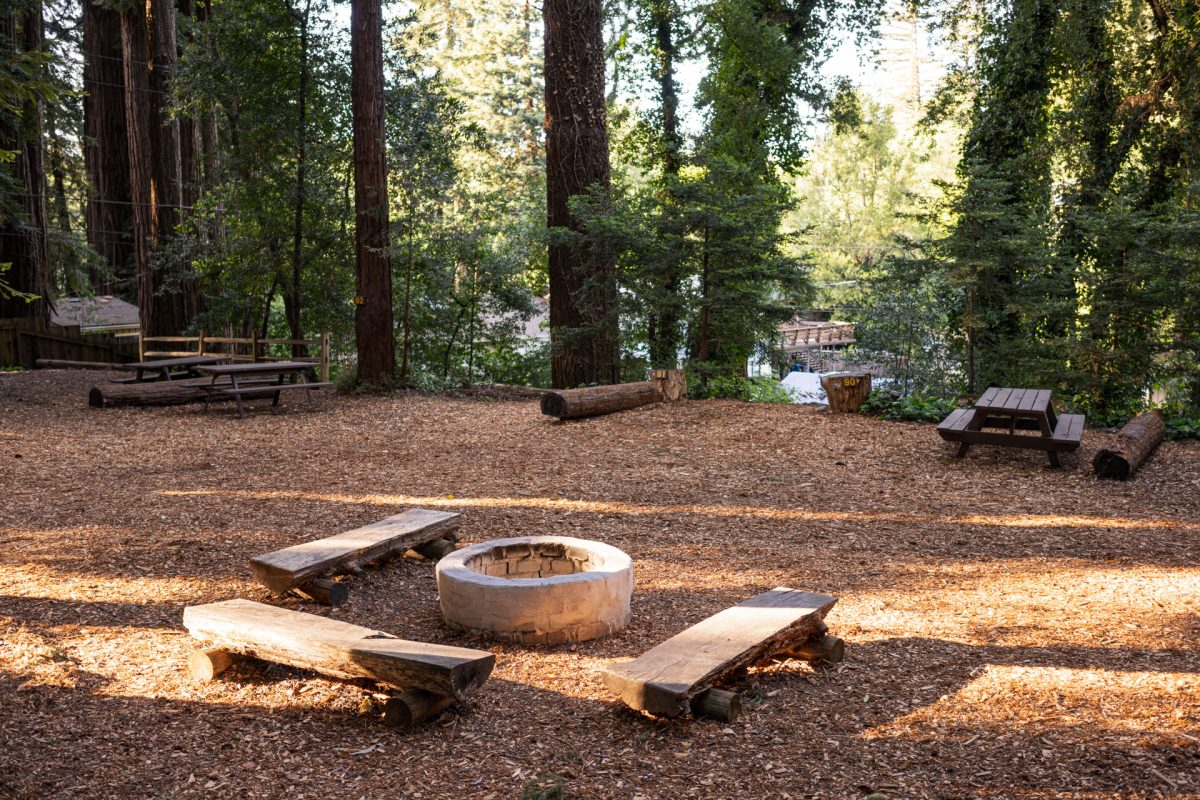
[752, 390]
[910, 408]
[1183, 427]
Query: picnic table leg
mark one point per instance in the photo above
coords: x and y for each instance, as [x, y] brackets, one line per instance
[278, 382]
[307, 392]
[1047, 432]
[1053, 456]
[963, 447]
[237, 396]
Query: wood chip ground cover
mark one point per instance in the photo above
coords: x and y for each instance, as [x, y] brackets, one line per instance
[1013, 631]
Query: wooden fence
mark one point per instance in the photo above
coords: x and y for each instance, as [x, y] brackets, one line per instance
[236, 349]
[24, 341]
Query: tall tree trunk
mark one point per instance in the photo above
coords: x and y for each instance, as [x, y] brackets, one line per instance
[189, 134]
[665, 318]
[23, 239]
[291, 300]
[148, 45]
[583, 313]
[374, 334]
[106, 150]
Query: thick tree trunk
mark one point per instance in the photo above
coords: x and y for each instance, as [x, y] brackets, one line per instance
[149, 48]
[374, 334]
[23, 239]
[1133, 445]
[292, 296]
[665, 318]
[583, 313]
[189, 136]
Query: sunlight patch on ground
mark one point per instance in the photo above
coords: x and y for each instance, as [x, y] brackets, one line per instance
[41, 582]
[766, 512]
[1009, 699]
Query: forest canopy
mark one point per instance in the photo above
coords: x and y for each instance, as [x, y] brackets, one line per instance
[1012, 200]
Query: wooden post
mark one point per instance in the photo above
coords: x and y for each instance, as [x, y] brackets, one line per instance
[413, 707]
[847, 391]
[210, 662]
[254, 346]
[324, 590]
[718, 704]
[325, 357]
[437, 549]
[671, 383]
[200, 344]
[141, 347]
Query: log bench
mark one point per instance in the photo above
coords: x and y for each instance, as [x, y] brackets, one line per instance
[306, 568]
[684, 673]
[433, 675]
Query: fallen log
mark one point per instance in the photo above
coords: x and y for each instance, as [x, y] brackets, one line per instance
[58, 363]
[1134, 444]
[413, 707]
[150, 393]
[595, 400]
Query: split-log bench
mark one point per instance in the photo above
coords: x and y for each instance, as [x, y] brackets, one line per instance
[683, 674]
[304, 568]
[432, 675]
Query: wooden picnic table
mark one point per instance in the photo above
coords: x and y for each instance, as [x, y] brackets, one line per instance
[1029, 416]
[161, 369]
[260, 379]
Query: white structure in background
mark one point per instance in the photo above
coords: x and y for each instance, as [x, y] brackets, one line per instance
[805, 387]
[103, 314]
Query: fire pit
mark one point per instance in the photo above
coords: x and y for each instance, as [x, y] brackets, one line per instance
[537, 589]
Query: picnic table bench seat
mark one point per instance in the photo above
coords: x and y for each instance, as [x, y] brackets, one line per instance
[433, 675]
[682, 674]
[303, 568]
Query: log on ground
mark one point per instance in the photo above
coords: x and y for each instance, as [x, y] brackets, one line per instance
[337, 648]
[413, 707]
[58, 363]
[1133, 445]
[595, 400]
[150, 393]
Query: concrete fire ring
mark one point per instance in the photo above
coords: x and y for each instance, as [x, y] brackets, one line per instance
[537, 589]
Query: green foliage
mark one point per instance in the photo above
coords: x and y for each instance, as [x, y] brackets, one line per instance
[888, 404]
[736, 387]
[1183, 427]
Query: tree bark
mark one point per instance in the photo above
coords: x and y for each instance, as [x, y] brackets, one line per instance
[374, 334]
[592, 401]
[292, 296]
[105, 150]
[148, 48]
[1133, 445]
[23, 239]
[583, 313]
[189, 135]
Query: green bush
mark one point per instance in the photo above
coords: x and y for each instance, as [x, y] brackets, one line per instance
[752, 390]
[911, 408]
[1183, 427]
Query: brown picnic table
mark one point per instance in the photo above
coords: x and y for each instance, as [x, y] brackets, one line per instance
[259, 379]
[165, 369]
[1028, 415]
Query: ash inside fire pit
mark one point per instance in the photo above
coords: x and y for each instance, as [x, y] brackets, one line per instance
[537, 589]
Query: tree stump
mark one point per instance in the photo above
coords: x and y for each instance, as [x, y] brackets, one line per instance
[1134, 444]
[847, 391]
[671, 383]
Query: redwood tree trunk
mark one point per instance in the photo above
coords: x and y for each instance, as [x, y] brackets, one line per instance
[106, 151]
[168, 303]
[374, 334]
[583, 314]
[23, 239]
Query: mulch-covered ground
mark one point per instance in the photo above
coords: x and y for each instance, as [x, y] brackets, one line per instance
[1012, 631]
